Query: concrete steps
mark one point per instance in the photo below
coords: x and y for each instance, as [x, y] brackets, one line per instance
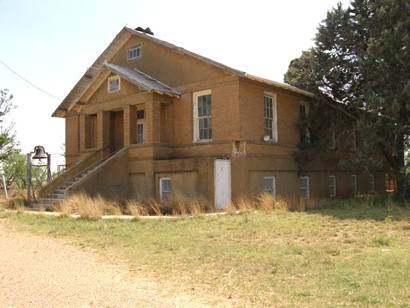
[59, 194]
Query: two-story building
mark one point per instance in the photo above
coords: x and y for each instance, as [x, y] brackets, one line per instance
[149, 118]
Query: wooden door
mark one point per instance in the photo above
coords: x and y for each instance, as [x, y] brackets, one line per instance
[116, 130]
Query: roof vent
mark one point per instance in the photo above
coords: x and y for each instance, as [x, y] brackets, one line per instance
[146, 30]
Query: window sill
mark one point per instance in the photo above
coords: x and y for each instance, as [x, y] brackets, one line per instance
[202, 141]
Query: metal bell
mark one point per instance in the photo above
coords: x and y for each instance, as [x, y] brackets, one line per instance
[39, 152]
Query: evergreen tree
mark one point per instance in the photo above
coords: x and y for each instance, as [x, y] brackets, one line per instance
[361, 58]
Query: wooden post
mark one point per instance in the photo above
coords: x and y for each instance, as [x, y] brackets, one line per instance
[48, 168]
[29, 178]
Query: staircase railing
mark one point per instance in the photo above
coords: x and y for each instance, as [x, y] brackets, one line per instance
[73, 171]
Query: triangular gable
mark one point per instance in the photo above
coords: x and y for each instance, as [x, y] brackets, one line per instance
[122, 37]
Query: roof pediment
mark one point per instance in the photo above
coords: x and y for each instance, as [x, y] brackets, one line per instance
[142, 80]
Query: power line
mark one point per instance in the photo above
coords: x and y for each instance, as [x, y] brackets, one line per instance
[29, 82]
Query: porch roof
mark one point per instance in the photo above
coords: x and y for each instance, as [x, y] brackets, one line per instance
[142, 80]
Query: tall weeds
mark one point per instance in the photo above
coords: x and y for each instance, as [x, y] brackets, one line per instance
[88, 207]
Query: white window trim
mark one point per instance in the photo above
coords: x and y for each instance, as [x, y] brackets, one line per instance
[160, 187]
[273, 178]
[307, 186]
[355, 187]
[275, 116]
[109, 81]
[195, 115]
[139, 122]
[134, 47]
[332, 178]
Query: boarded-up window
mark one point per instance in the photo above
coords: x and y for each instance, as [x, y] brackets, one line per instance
[91, 131]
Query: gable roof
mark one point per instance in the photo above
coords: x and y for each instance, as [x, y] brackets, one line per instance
[142, 80]
[93, 72]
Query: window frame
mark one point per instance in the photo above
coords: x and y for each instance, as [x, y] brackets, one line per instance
[196, 118]
[332, 186]
[306, 133]
[136, 47]
[139, 122]
[161, 189]
[116, 77]
[306, 177]
[355, 185]
[274, 120]
[333, 135]
[273, 178]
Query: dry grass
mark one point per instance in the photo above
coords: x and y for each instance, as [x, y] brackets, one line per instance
[136, 208]
[348, 253]
[17, 200]
[88, 207]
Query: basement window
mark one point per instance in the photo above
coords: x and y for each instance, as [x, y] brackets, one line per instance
[304, 189]
[134, 53]
[165, 188]
[372, 185]
[114, 84]
[332, 186]
[269, 185]
[354, 184]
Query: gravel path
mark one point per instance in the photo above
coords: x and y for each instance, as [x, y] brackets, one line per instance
[44, 272]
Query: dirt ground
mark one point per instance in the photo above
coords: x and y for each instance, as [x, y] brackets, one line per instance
[45, 272]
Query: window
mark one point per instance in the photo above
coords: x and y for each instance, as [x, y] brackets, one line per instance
[371, 183]
[113, 84]
[165, 188]
[332, 186]
[354, 136]
[140, 127]
[90, 131]
[303, 113]
[332, 140]
[354, 184]
[304, 187]
[133, 53]
[270, 118]
[203, 116]
[269, 185]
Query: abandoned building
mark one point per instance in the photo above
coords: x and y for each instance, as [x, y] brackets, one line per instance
[148, 119]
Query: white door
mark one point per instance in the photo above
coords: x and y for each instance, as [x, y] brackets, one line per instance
[222, 180]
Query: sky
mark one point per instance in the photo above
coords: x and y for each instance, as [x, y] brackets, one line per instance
[51, 43]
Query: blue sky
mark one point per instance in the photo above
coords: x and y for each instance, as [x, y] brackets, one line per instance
[51, 43]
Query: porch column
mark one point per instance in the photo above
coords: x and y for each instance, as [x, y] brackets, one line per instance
[129, 125]
[152, 121]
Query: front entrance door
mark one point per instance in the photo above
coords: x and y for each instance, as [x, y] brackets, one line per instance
[116, 130]
[222, 181]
